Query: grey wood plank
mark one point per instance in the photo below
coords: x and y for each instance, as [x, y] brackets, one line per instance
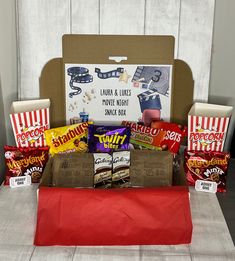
[205, 207]
[211, 238]
[55, 253]
[85, 17]
[195, 42]
[162, 18]
[15, 252]
[227, 200]
[107, 253]
[18, 215]
[122, 17]
[41, 25]
[210, 232]
[199, 257]
[165, 257]
[166, 249]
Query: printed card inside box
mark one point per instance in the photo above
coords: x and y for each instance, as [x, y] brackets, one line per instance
[29, 120]
[207, 126]
[109, 92]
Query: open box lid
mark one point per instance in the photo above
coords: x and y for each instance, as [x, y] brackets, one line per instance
[29, 105]
[210, 110]
[98, 48]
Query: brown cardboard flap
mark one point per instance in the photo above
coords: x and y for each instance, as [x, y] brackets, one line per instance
[182, 94]
[73, 170]
[97, 49]
[46, 179]
[139, 49]
[151, 168]
[51, 86]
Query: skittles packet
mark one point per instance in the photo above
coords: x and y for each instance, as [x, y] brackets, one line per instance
[72, 138]
[207, 166]
[108, 138]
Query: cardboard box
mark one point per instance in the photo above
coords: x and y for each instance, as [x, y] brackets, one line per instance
[207, 126]
[29, 120]
[129, 216]
[97, 49]
[124, 216]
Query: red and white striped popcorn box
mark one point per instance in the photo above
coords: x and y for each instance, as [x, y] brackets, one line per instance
[207, 126]
[29, 120]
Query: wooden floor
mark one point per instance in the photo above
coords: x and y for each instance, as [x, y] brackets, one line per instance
[227, 200]
[211, 238]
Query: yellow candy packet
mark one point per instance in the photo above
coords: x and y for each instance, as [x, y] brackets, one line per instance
[72, 138]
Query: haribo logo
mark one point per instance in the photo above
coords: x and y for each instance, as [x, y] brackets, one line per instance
[31, 133]
[206, 136]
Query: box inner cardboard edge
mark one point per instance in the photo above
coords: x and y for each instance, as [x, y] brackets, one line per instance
[210, 110]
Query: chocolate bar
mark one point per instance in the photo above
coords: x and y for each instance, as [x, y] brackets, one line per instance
[121, 172]
[102, 170]
[108, 138]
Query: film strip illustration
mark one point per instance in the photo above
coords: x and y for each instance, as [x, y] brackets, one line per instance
[79, 75]
[111, 74]
[154, 78]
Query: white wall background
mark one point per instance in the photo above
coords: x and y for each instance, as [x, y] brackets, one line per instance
[42, 23]
[222, 83]
[8, 73]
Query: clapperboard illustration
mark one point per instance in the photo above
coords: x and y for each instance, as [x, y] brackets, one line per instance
[79, 75]
[153, 78]
[149, 100]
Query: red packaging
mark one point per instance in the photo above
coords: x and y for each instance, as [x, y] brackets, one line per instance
[25, 161]
[174, 134]
[210, 166]
[145, 136]
[130, 216]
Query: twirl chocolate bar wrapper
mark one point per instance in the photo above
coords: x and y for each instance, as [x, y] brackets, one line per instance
[207, 126]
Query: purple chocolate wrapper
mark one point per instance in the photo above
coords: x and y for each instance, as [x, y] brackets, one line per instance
[108, 138]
